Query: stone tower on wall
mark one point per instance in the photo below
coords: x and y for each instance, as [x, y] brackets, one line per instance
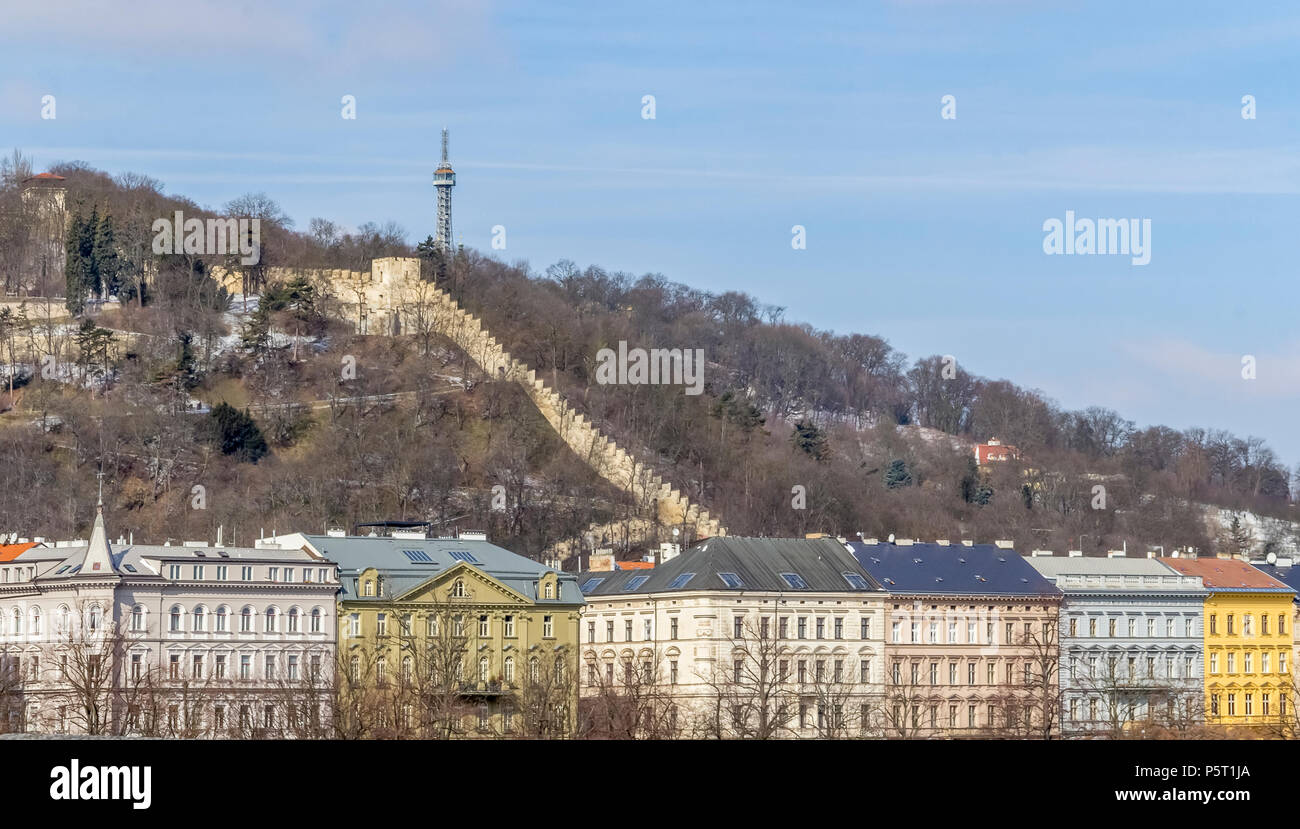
[44, 199]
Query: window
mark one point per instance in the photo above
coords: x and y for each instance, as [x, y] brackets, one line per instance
[270, 666]
[174, 572]
[738, 627]
[952, 673]
[484, 626]
[1214, 624]
[795, 581]
[1131, 626]
[219, 669]
[970, 672]
[548, 627]
[1230, 625]
[952, 632]
[1246, 662]
[864, 628]
[246, 573]
[174, 666]
[1247, 624]
[245, 666]
[354, 624]
[222, 570]
[198, 572]
[972, 633]
[672, 671]
[821, 627]
[1214, 704]
[221, 617]
[200, 619]
[197, 670]
[458, 589]
[293, 620]
[839, 628]
[273, 574]
[1189, 627]
[457, 626]
[632, 584]
[508, 672]
[934, 633]
[1263, 698]
[729, 579]
[315, 619]
[934, 673]
[246, 620]
[509, 631]
[855, 581]
[550, 589]
[864, 670]
[1263, 624]
[174, 623]
[970, 716]
[1264, 658]
[1281, 662]
[672, 627]
[463, 555]
[1169, 628]
[1250, 701]
[737, 668]
[483, 668]
[681, 581]
[916, 631]
[1281, 624]
[1092, 627]
[802, 627]
[895, 632]
[1110, 627]
[591, 584]
[271, 625]
[627, 630]
[1232, 663]
[647, 637]
[135, 665]
[137, 618]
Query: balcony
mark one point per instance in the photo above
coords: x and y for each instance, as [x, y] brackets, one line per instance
[491, 688]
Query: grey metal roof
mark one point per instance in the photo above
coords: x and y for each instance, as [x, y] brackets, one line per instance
[354, 554]
[982, 569]
[1052, 566]
[756, 563]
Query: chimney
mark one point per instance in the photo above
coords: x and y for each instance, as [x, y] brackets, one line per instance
[602, 559]
[942, 542]
[871, 541]
[1005, 543]
[903, 542]
[1074, 554]
[1040, 554]
[966, 542]
[1116, 554]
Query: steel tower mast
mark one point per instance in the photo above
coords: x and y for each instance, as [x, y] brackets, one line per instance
[444, 178]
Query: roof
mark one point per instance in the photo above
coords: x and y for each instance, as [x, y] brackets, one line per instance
[431, 557]
[44, 177]
[1228, 574]
[984, 569]
[1091, 575]
[1051, 566]
[9, 552]
[1290, 576]
[635, 565]
[736, 563]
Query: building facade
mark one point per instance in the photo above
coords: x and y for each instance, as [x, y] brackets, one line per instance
[1131, 643]
[971, 640]
[450, 637]
[1249, 641]
[185, 641]
[734, 638]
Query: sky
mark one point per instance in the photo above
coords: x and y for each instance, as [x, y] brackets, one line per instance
[928, 231]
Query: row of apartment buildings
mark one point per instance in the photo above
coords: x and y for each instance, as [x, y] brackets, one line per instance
[308, 635]
[818, 637]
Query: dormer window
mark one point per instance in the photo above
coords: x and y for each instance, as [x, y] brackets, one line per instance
[548, 590]
[370, 587]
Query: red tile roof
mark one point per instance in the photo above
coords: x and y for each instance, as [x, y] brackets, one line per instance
[635, 565]
[47, 176]
[1225, 573]
[9, 552]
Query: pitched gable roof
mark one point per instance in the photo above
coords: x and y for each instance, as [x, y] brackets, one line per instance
[740, 564]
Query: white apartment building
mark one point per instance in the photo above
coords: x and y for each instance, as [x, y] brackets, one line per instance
[171, 640]
[740, 637]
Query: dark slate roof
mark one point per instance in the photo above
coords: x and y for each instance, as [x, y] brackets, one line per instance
[756, 562]
[433, 556]
[984, 569]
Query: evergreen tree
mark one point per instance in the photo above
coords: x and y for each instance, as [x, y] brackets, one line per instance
[973, 488]
[235, 432]
[811, 440]
[106, 265]
[78, 269]
[897, 475]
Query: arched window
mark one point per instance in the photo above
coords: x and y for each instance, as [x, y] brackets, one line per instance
[458, 589]
[174, 623]
[270, 620]
[62, 619]
[406, 669]
[18, 622]
[200, 619]
[533, 669]
[549, 590]
[34, 627]
[315, 620]
[137, 618]
[509, 672]
[246, 620]
[483, 665]
[293, 620]
[94, 617]
[221, 615]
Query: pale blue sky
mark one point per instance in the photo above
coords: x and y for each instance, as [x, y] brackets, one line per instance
[922, 230]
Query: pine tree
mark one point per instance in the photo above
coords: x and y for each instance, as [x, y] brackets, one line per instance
[235, 432]
[897, 475]
[106, 265]
[811, 440]
[78, 269]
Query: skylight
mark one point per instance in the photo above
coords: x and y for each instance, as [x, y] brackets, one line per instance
[731, 580]
[635, 582]
[464, 555]
[223, 554]
[795, 581]
[61, 569]
[591, 584]
[855, 581]
[130, 568]
[418, 555]
[681, 581]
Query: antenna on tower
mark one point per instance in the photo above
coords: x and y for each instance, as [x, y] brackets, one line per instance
[444, 145]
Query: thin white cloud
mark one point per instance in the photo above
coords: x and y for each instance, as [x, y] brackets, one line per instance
[1277, 372]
